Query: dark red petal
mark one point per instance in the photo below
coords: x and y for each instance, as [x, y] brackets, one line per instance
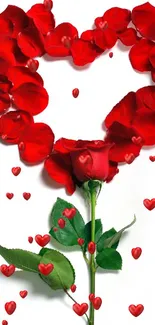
[31, 98]
[21, 75]
[144, 124]
[12, 125]
[37, 143]
[6, 27]
[152, 56]
[128, 37]
[59, 169]
[146, 99]
[43, 19]
[123, 112]
[18, 18]
[117, 18]
[143, 19]
[139, 55]
[30, 42]
[64, 145]
[113, 170]
[10, 48]
[83, 52]
[4, 102]
[6, 61]
[105, 39]
[54, 41]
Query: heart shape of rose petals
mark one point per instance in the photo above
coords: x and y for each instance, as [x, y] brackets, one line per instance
[97, 302]
[69, 213]
[80, 310]
[8, 270]
[10, 307]
[136, 310]
[45, 269]
[136, 252]
[42, 240]
[16, 171]
[129, 158]
[149, 204]
[9, 195]
[23, 293]
[26, 196]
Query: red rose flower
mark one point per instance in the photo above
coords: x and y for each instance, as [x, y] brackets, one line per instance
[74, 162]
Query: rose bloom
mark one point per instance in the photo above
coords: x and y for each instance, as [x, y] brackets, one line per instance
[75, 162]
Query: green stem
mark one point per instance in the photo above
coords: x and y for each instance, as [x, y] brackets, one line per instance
[67, 293]
[92, 259]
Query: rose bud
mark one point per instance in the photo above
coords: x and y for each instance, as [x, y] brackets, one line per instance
[91, 247]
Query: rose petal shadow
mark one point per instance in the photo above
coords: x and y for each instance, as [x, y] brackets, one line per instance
[123, 48]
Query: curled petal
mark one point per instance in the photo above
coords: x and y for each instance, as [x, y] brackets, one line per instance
[43, 19]
[21, 75]
[17, 17]
[31, 42]
[83, 52]
[31, 98]
[37, 143]
[143, 19]
[139, 55]
[12, 124]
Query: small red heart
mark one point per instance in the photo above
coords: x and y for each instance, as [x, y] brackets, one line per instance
[129, 158]
[9, 195]
[91, 297]
[84, 159]
[33, 65]
[30, 239]
[152, 158]
[16, 171]
[97, 302]
[75, 92]
[69, 213]
[45, 269]
[136, 310]
[26, 196]
[111, 54]
[42, 240]
[4, 322]
[55, 229]
[8, 270]
[80, 310]
[149, 204]
[61, 223]
[73, 288]
[23, 293]
[10, 307]
[80, 241]
[137, 140]
[100, 23]
[136, 252]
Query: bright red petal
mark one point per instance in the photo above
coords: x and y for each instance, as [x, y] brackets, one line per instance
[6, 27]
[117, 18]
[31, 98]
[144, 124]
[146, 98]
[13, 124]
[43, 19]
[18, 18]
[4, 102]
[21, 75]
[37, 143]
[128, 37]
[30, 42]
[83, 52]
[59, 170]
[105, 39]
[143, 19]
[6, 61]
[139, 55]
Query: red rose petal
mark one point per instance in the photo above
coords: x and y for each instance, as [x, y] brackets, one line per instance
[6, 27]
[30, 42]
[4, 102]
[143, 19]
[83, 52]
[13, 123]
[43, 19]
[7, 60]
[139, 55]
[22, 75]
[18, 18]
[38, 143]
[117, 18]
[105, 39]
[88, 35]
[128, 37]
[31, 98]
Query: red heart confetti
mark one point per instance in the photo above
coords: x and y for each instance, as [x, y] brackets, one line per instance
[97, 302]
[91, 247]
[91, 297]
[8, 270]
[4, 322]
[80, 310]
[9, 195]
[48, 4]
[111, 54]
[16, 171]
[55, 229]
[75, 92]
[69, 213]
[152, 158]
[26, 196]
[33, 65]
[136, 310]
[45, 269]
[136, 252]
[23, 293]
[73, 288]
[137, 140]
[80, 241]
[42, 240]
[30, 239]
[61, 223]
[129, 158]
[149, 204]
[10, 307]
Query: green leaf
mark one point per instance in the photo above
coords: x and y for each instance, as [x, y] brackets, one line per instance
[63, 275]
[22, 259]
[98, 231]
[109, 259]
[73, 229]
[113, 241]
[105, 240]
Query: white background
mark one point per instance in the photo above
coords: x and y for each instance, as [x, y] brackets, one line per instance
[101, 86]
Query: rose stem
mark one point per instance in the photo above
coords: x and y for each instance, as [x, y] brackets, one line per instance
[76, 303]
[92, 258]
